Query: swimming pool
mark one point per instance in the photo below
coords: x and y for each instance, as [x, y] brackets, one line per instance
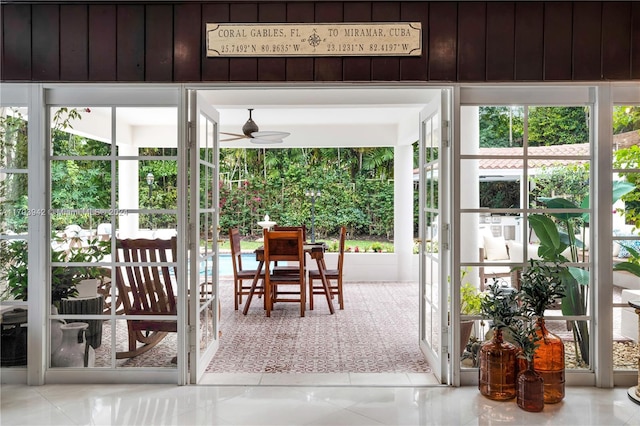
[225, 266]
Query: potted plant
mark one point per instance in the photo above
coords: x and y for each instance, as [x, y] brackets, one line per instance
[530, 385]
[542, 283]
[63, 278]
[470, 304]
[497, 357]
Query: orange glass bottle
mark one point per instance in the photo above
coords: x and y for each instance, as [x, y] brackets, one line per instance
[530, 393]
[497, 372]
[548, 361]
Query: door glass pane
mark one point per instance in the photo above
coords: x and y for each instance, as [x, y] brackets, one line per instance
[80, 131]
[13, 138]
[500, 131]
[102, 193]
[14, 216]
[626, 234]
[496, 235]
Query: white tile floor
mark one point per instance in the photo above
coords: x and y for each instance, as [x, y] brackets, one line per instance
[293, 405]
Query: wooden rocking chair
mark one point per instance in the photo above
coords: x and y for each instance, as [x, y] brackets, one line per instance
[145, 288]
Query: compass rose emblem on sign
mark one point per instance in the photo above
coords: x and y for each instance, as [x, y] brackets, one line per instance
[314, 39]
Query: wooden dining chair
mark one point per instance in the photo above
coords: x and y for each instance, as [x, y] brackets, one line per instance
[146, 288]
[284, 246]
[288, 268]
[333, 276]
[241, 275]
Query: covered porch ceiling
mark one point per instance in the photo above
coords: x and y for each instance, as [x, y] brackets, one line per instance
[314, 117]
[325, 117]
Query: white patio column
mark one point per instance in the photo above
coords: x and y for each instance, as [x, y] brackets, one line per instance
[128, 192]
[469, 186]
[403, 211]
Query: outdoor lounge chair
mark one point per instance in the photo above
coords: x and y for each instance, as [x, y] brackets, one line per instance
[145, 287]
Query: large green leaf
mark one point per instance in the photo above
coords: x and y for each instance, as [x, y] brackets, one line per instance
[620, 189]
[545, 228]
[628, 267]
[580, 275]
[560, 203]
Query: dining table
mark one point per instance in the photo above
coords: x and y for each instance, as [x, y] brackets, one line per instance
[315, 252]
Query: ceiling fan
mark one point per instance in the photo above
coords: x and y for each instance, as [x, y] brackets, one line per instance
[251, 131]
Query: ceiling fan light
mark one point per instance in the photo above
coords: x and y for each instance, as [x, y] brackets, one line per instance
[262, 141]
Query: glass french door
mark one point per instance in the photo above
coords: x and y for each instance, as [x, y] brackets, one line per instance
[434, 236]
[203, 235]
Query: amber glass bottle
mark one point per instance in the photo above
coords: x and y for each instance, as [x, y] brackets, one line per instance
[548, 361]
[530, 390]
[497, 372]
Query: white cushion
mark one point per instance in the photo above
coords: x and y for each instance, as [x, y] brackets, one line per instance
[515, 251]
[495, 248]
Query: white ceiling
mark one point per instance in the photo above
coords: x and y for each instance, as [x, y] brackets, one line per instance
[315, 117]
[325, 116]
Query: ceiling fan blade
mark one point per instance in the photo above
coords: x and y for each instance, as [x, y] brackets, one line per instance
[270, 135]
[233, 139]
[239, 135]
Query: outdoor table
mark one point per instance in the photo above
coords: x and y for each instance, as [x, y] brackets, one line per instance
[315, 251]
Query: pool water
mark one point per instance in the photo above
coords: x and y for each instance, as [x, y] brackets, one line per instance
[225, 266]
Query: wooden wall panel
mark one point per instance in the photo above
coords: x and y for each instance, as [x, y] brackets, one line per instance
[328, 69]
[130, 42]
[616, 40]
[415, 68]
[214, 69]
[74, 43]
[472, 35]
[158, 61]
[16, 42]
[45, 53]
[529, 41]
[187, 50]
[463, 41]
[557, 41]
[102, 42]
[357, 68]
[587, 38]
[443, 42]
[243, 69]
[385, 68]
[500, 41]
[272, 69]
[300, 69]
[635, 40]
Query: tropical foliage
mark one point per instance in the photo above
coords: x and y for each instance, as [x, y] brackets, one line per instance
[361, 199]
[503, 126]
[499, 305]
[558, 233]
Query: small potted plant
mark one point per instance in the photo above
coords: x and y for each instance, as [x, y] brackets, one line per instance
[530, 385]
[470, 304]
[541, 285]
[497, 372]
[63, 278]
